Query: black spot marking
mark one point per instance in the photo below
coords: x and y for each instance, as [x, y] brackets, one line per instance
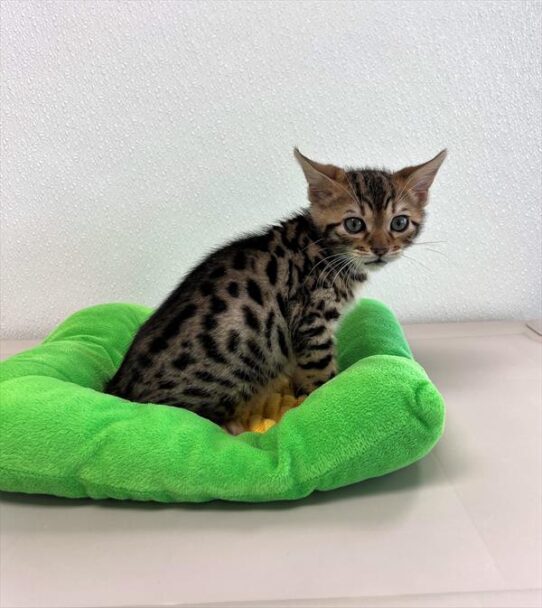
[319, 364]
[271, 270]
[282, 305]
[182, 361]
[211, 347]
[269, 325]
[208, 377]
[375, 184]
[233, 289]
[144, 361]
[239, 260]
[173, 327]
[313, 331]
[290, 272]
[158, 344]
[209, 322]
[254, 291]
[167, 384]
[258, 242]
[194, 391]
[244, 375]
[300, 230]
[233, 341]
[254, 366]
[323, 346]
[310, 318]
[255, 349]
[229, 404]
[217, 272]
[218, 305]
[331, 314]
[251, 319]
[279, 251]
[206, 288]
[282, 342]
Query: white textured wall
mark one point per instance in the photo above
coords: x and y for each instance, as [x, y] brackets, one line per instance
[137, 135]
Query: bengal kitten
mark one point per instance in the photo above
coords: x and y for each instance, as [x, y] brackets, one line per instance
[266, 304]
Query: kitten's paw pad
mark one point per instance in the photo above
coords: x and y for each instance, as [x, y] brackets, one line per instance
[234, 427]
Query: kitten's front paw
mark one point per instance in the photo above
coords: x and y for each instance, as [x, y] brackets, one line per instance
[308, 386]
[300, 391]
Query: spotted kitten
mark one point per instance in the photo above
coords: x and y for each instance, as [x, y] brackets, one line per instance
[266, 304]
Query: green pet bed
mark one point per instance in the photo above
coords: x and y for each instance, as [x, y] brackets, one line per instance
[61, 435]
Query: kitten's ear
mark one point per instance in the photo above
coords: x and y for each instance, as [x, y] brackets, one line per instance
[322, 179]
[418, 179]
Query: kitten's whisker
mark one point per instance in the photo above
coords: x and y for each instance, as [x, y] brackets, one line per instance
[436, 251]
[417, 261]
[330, 262]
[329, 257]
[425, 248]
[324, 276]
[325, 273]
[313, 243]
[430, 243]
[339, 272]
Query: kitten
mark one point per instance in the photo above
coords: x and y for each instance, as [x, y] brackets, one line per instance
[266, 304]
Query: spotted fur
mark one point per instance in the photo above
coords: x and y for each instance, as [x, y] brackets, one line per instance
[266, 304]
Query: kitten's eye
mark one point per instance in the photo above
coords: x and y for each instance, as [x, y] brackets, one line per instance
[354, 225]
[399, 223]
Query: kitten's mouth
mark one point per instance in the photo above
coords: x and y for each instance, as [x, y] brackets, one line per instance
[379, 261]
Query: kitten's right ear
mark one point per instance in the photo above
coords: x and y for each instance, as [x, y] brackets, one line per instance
[322, 179]
[419, 179]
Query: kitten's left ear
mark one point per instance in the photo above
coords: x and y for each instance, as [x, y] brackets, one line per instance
[418, 179]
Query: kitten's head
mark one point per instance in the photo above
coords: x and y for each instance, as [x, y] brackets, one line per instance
[369, 215]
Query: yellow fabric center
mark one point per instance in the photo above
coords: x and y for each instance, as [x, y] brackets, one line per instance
[267, 408]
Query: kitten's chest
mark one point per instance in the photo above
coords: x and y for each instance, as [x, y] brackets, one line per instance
[327, 304]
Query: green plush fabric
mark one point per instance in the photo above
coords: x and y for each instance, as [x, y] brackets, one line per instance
[60, 435]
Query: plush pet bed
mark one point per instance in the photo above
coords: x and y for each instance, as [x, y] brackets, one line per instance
[61, 435]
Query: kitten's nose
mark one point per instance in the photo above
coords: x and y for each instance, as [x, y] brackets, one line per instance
[380, 251]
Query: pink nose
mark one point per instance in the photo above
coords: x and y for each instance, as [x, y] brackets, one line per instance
[380, 251]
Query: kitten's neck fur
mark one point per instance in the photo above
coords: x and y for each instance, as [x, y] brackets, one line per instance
[318, 260]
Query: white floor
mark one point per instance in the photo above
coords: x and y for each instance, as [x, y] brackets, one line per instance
[462, 528]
